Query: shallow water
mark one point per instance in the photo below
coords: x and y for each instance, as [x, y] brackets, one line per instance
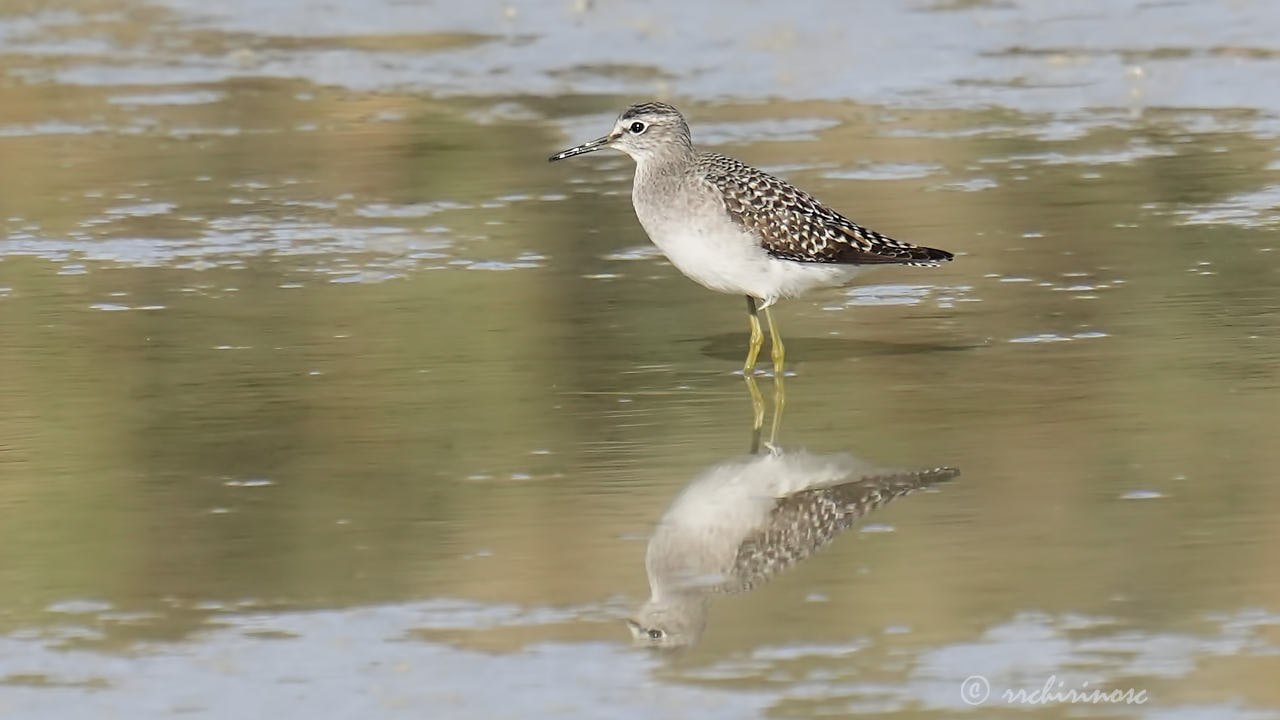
[325, 395]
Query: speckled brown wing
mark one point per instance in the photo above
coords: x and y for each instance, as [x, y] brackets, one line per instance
[793, 225]
[803, 523]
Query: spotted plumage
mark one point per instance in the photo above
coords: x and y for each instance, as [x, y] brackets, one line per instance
[793, 225]
[803, 523]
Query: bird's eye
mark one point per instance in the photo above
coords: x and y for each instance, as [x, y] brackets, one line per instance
[637, 128]
[656, 634]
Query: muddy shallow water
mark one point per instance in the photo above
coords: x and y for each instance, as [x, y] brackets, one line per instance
[324, 394]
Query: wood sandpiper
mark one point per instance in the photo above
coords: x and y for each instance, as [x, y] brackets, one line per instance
[735, 229]
[744, 521]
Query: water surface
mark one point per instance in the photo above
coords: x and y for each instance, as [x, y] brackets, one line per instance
[324, 394]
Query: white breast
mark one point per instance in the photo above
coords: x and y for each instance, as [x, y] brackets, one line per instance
[700, 239]
[699, 534]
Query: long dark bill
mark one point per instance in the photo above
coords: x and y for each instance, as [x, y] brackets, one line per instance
[585, 147]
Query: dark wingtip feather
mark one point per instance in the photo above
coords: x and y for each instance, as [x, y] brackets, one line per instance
[938, 255]
[887, 251]
[931, 255]
[902, 481]
[939, 475]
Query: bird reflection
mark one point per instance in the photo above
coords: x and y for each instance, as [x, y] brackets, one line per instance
[743, 521]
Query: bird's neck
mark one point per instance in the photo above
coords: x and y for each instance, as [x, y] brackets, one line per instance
[661, 174]
[669, 161]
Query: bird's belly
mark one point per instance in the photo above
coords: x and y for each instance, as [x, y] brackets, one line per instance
[716, 260]
[727, 260]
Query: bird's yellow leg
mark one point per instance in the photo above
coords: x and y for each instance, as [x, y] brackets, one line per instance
[779, 350]
[757, 337]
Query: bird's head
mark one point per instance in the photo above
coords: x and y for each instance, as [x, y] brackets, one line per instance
[670, 623]
[642, 131]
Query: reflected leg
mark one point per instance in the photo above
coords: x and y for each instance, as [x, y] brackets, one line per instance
[757, 412]
[779, 402]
